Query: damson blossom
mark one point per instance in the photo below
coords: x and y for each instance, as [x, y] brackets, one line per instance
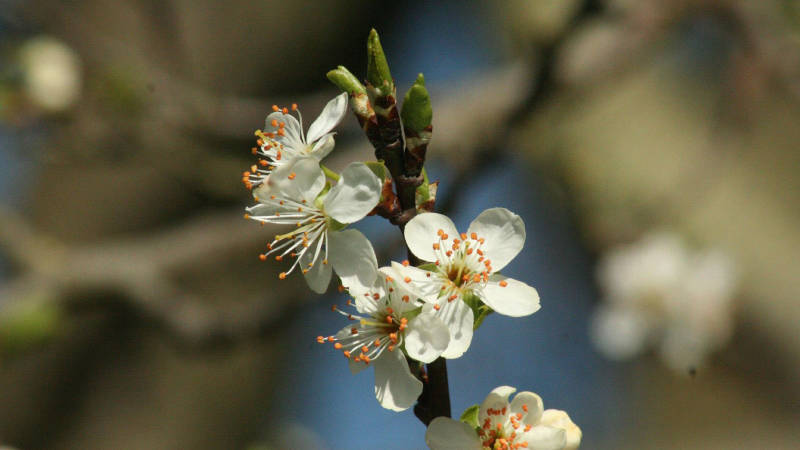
[296, 194]
[466, 267]
[657, 292]
[386, 323]
[524, 423]
[283, 140]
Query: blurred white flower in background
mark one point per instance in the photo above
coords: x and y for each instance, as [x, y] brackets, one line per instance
[659, 293]
[51, 73]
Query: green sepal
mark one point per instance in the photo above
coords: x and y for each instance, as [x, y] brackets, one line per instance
[470, 416]
[430, 267]
[412, 313]
[378, 169]
[346, 81]
[378, 74]
[416, 112]
[334, 225]
[479, 309]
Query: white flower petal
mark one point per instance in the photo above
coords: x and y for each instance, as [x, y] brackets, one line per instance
[426, 337]
[262, 209]
[619, 333]
[395, 387]
[355, 195]
[530, 402]
[515, 299]
[496, 400]
[318, 275]
[331, 115]
[544, 438]
[459, 320]
[300, 179]
[353, 259]
[345, 333]
[560, 419]
[293, 134]
[421, 234]
[323, 146]
[504, 234]
[445, 433]
[421, 283]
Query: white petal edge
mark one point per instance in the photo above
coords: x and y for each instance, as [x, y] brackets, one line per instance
[531, 402]
[331, 115]
[515, 299]
[353, 258]
[544, 438]
[504, 234]
[300, 179]
[445, 433]
[318, 276]
[421, 234]
[459, 320]
[355, 194]
[322, 147]
[426, 337]
[395, 387]
[560, 419]
[497, 400]
[421, 283]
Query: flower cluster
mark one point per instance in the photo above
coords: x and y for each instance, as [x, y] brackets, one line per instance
[659, 293]
[500, 425]
[408, 314]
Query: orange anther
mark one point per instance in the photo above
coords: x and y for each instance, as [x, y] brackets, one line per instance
[436, 246]
[274, 123]
[285, 110]
[292, 176]
[389, 319]
[464, 236]
[406, 298]
[294, 106]
[377, 342]
[405, 263]
[365, 349]
[407, 279]
[376, 296]
[503, 283]
[354, 330]
[275, 108]
[474, 235]
[282, 275]
[347, 354]
[436, 307]
[337, 346]
[444, 237]
[320, 339]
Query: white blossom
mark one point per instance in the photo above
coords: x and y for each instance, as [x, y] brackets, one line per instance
[384, 325]
[466, 264]
[658, 293]
[283, 140]
[523, 423]
[294, 194]
[52, 73]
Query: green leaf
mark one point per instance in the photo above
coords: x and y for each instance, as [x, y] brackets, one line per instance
[346, 81]
[470, 416]
[378, 73]
[417, 113]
